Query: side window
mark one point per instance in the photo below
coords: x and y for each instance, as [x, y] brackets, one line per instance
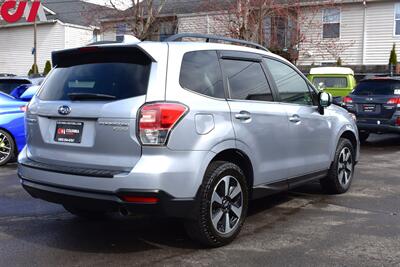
[246, 80]
[201, 73]
[291, 86]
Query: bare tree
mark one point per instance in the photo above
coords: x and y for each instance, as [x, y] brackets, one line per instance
[282, 26]
[311, 33]
[141, 19]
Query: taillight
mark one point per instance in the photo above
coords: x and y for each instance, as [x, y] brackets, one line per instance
[394, 101]
[398, 121]
[156, 121]
[23, 108]
[347, 100]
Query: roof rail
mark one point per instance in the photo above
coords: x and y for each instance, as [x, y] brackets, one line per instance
[208, 37]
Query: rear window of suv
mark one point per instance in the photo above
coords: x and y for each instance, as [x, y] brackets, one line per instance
[118, 74]
[377, 87]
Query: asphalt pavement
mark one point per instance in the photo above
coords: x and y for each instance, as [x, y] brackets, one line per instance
[298, 228]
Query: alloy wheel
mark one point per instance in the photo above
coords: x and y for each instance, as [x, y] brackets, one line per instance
[226, 205]
[345, 166]
[5, 147]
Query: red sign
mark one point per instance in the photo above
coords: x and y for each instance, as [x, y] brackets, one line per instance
[11, 11]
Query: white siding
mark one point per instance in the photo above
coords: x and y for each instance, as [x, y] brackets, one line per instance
[204, 23]
[108, 31]
[314, 48]
[77, 36]
[16, 46]
[380, 33]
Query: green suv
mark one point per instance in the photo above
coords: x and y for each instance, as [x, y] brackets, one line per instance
[338, 81]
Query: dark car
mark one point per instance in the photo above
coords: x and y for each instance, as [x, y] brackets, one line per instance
[7, 75]
[376, 104]
[16, 86]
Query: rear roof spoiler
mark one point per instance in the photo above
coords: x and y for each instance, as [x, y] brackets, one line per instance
[65, 57]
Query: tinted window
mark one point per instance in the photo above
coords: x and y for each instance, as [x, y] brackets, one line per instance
[331, 82]
[246, 80]
[8, 85]
[200, 72]
[377, 87]
[291, 86]
[109, 74]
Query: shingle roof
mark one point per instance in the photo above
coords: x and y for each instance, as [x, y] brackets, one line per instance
[75, 11]
[181, 7]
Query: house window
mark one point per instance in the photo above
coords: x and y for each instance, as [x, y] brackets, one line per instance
[121, 30]
[397, 19]
[167, 29]
[331, 23]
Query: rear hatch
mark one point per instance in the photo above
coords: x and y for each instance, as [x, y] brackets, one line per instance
[375, 99]
[85, 113]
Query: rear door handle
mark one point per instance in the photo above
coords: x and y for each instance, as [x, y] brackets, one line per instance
[243, 115]
[295, 118]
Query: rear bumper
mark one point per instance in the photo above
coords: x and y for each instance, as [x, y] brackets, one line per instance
[375, 128]
[174, 177]
[112, 201]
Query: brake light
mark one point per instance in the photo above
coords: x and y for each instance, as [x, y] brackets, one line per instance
[141, 200]
[24, 108]
[394, 101]
[347, 100]
[156, 121]
[88, 49]
[397, 121]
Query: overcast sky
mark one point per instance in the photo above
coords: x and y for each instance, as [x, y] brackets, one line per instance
[105, 2]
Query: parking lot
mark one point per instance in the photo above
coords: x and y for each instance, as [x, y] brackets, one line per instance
[302, 227]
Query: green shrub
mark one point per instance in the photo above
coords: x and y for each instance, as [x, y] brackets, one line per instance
[393, 56]
[339, 62]
[34, 70]
[47, 68]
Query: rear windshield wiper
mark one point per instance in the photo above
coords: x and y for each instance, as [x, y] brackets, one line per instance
[90, 96]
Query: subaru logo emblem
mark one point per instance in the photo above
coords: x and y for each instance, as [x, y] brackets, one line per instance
[64, 110]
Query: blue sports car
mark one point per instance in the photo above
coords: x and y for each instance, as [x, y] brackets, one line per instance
[12, 125]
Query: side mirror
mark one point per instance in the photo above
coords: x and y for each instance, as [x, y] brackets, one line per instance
[325, 99]
[321, 86]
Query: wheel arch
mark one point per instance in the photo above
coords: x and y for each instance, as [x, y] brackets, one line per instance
[351, 136]
[239, 158]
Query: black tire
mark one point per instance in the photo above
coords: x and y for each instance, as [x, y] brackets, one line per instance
[85, 214]
[203, 229]
[7, 145]
[363, 136]
[340, 175]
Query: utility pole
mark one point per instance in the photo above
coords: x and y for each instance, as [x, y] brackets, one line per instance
[34, 46]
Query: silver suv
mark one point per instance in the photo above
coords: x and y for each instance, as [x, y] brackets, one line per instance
[191, 130]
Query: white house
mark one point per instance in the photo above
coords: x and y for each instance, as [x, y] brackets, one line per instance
[67, 26]
[361, 32]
